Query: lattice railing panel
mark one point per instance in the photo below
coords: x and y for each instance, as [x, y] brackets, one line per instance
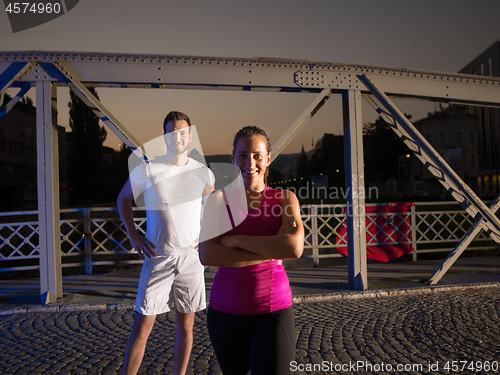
[106, 236]
[19, 241]
[110, 236]
[327, 230]
[72, 241]
[441, 227]
[379, 235]
[308, 237]
[399, 223]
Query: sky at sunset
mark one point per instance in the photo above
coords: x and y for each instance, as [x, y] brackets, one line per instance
[430, 35]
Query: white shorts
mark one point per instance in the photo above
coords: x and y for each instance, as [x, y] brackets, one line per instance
[171, 281]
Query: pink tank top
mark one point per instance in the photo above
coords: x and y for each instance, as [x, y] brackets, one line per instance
[260, 288]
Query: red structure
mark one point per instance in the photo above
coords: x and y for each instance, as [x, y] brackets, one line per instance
[388, 232]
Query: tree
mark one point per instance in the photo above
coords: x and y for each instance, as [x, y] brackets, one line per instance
[27, 100]
[86, 173]
[329, 159]
[274, 176]
[303, 169]
[383, 150]
[117, 172]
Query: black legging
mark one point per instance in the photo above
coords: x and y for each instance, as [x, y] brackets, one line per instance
[263, 343]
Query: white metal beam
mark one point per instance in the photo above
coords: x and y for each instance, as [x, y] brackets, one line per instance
[97, 107]
[406, 83]
[48, 192]
[162, 71]
[355, 185]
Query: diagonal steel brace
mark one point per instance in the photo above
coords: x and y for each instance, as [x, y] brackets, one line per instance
[300, 122]
[479, 225]
[95, 105]
[22, 73]
[5, 109]
[434, 162]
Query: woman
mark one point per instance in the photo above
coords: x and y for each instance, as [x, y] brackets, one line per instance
[250, 315]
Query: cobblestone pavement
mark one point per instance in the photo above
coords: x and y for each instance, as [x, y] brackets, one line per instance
[419, 332]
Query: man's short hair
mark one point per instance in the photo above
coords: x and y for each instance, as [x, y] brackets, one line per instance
[175, 116]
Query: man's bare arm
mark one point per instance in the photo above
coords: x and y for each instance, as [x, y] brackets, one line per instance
[206, 192]
[143, 246]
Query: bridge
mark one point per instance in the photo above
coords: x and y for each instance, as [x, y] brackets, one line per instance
[377, 85]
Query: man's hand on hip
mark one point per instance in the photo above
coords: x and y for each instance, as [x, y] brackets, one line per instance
[143, 246]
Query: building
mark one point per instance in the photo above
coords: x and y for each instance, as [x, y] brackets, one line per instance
[453, 133]
[487, 64]
[467, 137]
[18, 157]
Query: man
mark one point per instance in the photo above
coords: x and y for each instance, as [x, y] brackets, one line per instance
[173, 186]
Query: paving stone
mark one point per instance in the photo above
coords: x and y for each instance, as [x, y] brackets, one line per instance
[399, 329]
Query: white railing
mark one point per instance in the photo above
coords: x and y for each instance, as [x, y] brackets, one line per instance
[93, 237]
[89, 237]
[430, 230]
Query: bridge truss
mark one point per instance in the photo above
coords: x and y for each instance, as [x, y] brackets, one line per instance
[378, 85]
